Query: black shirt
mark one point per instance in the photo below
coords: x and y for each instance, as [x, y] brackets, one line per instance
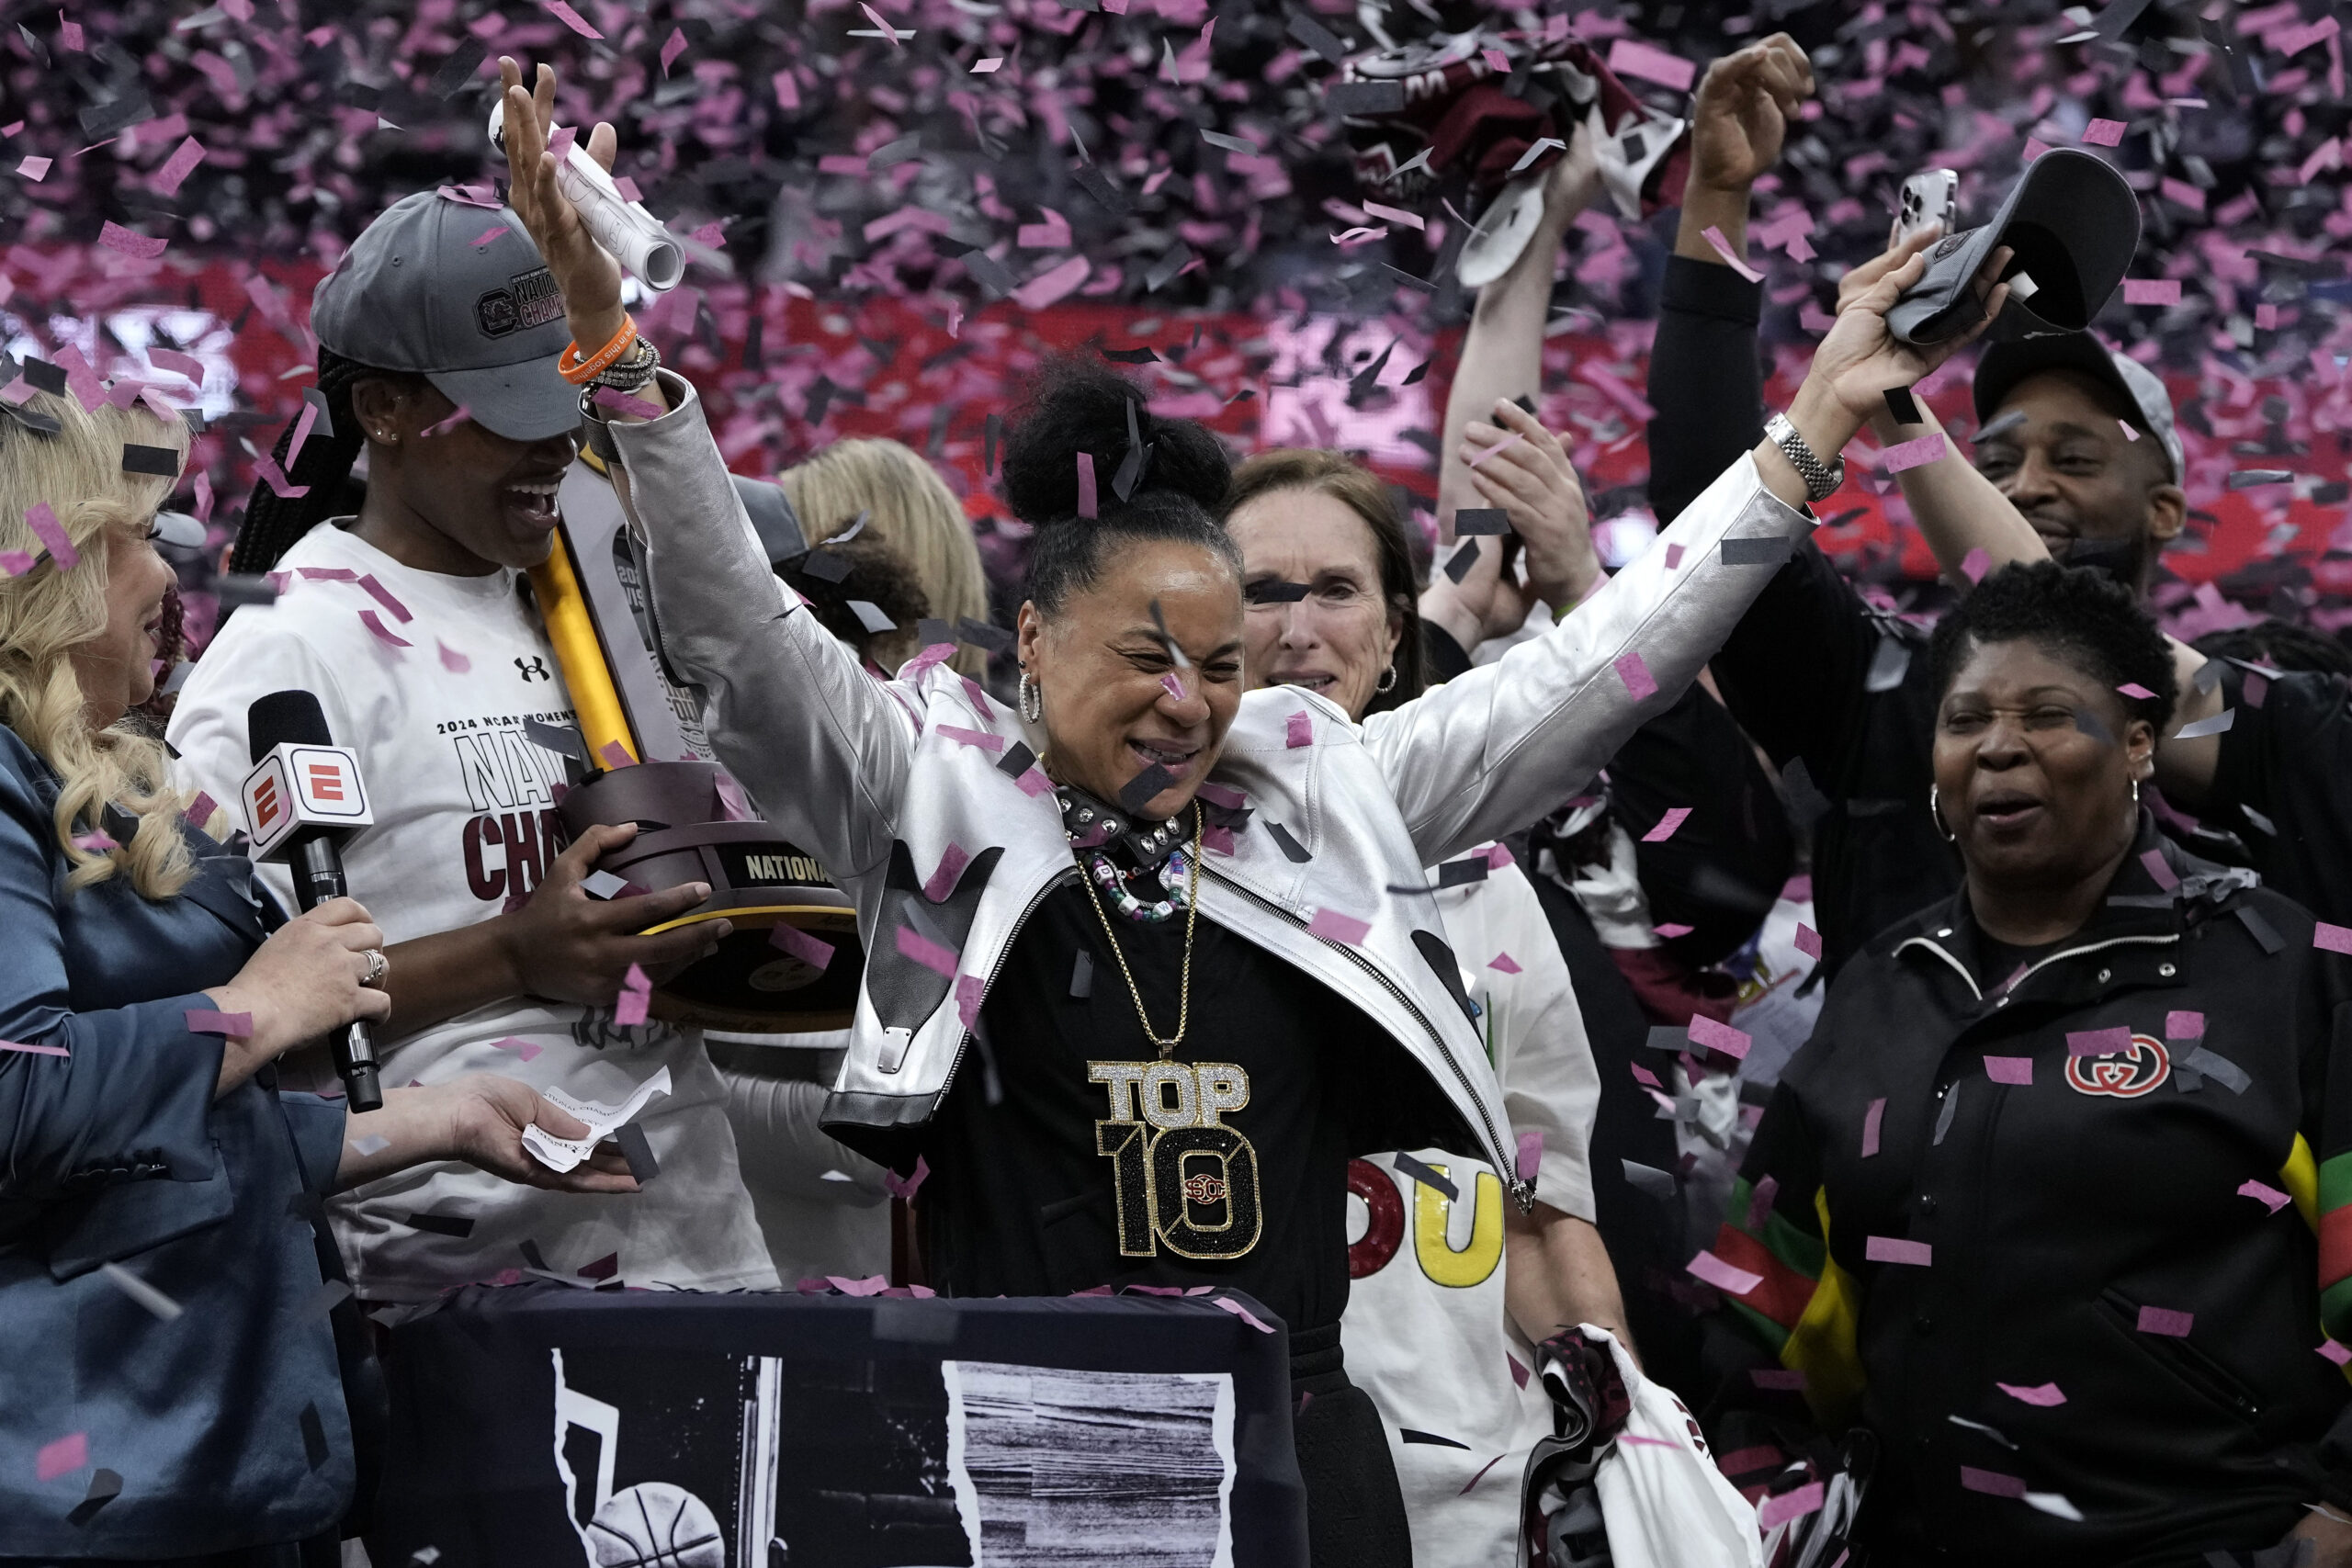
[2284, 784]
[1068, 1154]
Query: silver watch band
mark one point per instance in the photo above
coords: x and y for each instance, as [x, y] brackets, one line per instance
[1821, 479]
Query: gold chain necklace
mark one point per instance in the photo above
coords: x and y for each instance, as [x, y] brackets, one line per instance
[1192, 914]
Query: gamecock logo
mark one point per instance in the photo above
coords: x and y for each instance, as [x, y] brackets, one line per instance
[2126, 1076]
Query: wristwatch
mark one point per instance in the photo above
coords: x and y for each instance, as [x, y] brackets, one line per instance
[1821, 480]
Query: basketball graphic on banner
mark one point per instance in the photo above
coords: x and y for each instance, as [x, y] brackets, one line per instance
[656, 1525]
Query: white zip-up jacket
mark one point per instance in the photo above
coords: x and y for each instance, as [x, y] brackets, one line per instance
[884, 782]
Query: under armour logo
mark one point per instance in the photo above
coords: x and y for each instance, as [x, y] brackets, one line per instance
[535, 670]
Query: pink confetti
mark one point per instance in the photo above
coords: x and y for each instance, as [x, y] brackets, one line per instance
[522, 1048]
[943, 877]
[1991, 1481]
[886, 30]
[66, 1455]
[2098, 1041]
[383, 633]
[131, 242]
[2158, 871]
[1871, 1119]
[1639, 682]
[1086, 499]
[1518, 1373]
[573, 20]
[1499, 856]
[52, 535]
[1674, 554]
[1054, 285]
[2045, 1396]
[1975, 564]
[1775, 1511]
[455, 663]
[2184, 1026]
[2268, 1196]
[1034, 783]
[199, 810]
[1630, 57]
[2336, 1353]
[2136, 692]
[987, 67]
[1714, 237]
[1243, 1312]
[2331, 939]
[809, 949]
[871, 1285]
[1216, 840]
[1503, 963]
[1530, 1154]
[913, 944]
[2152, 291]
[1643, 1075]
[276, 478]
[2103, 133]
[1896, 1249]
[383, 595]
[2166, 1322]
[976, 738]
[1298, 730]
[495, 232]
[1783, 1380]
[1669, 930]
[1397, 215]
[34, 169]
[906, 1187]
[1505, 444]
[1497, 62]
[1172, 686]
[34, 1050]
[1723, 1037]
[637, 990]
[1667, 824]
[1725, 1276]
[231, 1025]
[612, 754]
[672, 47]
[970, 991]
[624, 403]
[2010, 1069]
[1918, 453]
[1334, 925]
[177, 167]
[1808, 942]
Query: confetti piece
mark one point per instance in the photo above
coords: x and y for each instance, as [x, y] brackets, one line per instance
[1639, 683]
[1991, 1481]
[276, 478]
[1505, 444]
[1871, 1119]
[1705, 1032]
[980, 738]
[1667, 824]
[1724, 1276]
[164, 1309]
[371, 1144]
[987, 67]
[1518, 1373]
[34, 169]
[1779, 1379]
[2152, 291]
[2213, 726]
[1808, 942]
[1674, 555]
[2339, 1354]
[383, 633]
[1530, 1154]
[636, 991]
[1504, 963]
[2184, 1026]
[1907, 455]
[906, 1187]
[1894, 1249]
[1298, 730]
[1334, 925]
[614, 754]
[451, 659]
[2103, 133]
[1428, 1177]
[1759, 1201]
[231, 1025]
[1776, 1511]
[43, 522]
[913, 944]
[2136, 692]
[67, 1454]
[131, 242]
[34, 1050]
[2166, 1321]
[2268, 1196]
[526, 1049]
[1714, 237]
[2045, 1396]
[2098, 1041]
[672, 47]
[1630, 57]
[1243, 1312]
[1086, 496]
[2331, 939]
[2158, 870]
[573, 20]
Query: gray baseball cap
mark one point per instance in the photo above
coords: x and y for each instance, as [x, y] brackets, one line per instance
[457, 293]
[2007, 363]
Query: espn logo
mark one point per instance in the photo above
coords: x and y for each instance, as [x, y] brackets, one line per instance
[322, 781]
[298, 788]
[266, 806]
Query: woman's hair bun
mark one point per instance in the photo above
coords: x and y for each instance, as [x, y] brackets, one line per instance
[1079, 404]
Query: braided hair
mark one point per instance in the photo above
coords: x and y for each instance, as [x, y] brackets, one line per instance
[273, 522]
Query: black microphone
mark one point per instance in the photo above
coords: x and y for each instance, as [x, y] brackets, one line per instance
[301, 800]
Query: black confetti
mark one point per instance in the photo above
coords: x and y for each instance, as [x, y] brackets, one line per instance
[1943, 1117]
[1290, 847]
[1428, 1177]
[1016, 761]
[555, 737]
[315, 1436]
[1141, 789]
[1096, 183]
[458, 69]
[981, 634]
[1463, 872]
[1890, 661]
[1768, 551]
[2231, 1076]
[1318, 38]
[930, 632]
[637, 1151]
[991, 275]
[1082, 976]
[1131, 355]
[1364, 98]
[1903, 406]
[161, 461]
[1481, 520]
[1464, 557]
[442, 1224]
[1648, 1180]
[2262, 930]
[1275, 593]
[1406, 1434]
[45, 377]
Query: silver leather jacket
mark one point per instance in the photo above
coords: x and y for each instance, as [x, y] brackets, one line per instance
[873, 777]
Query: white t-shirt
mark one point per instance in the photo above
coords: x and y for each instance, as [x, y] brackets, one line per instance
[465, 820]
[1427, 1332]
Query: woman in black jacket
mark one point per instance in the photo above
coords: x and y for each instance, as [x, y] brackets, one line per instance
[2042, 1203]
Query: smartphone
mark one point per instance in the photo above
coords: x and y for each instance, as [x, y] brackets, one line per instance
[1929, 197]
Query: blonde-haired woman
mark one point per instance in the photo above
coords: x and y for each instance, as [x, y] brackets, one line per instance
[908, 507]
[177, 1389]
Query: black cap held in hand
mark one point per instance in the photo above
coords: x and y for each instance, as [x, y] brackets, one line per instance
[286, 718]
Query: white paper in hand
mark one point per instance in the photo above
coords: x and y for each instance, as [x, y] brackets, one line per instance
[562, 1153]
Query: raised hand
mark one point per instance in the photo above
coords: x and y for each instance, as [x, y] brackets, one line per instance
[1744, 109]
[1859, 361]
[1533, 481]
[586, 274]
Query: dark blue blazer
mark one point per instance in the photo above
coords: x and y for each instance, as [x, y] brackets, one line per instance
[226, 1424]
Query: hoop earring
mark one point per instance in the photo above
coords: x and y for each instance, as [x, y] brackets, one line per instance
[1033, 699]
[1387, 681]
[1935, 811]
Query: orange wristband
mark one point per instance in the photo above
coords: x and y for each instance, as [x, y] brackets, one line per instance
[580, 371]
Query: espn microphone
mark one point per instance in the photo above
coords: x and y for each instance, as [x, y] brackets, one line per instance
[301, 800]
